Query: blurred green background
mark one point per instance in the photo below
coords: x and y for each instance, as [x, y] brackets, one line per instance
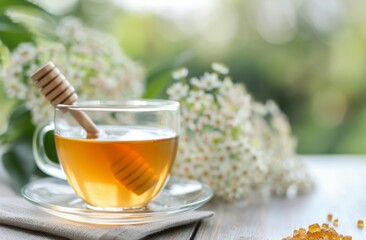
[307, 55]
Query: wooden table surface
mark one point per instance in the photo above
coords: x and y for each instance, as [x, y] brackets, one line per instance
[340, 189]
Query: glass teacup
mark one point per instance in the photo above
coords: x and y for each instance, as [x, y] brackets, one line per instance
[130, 161]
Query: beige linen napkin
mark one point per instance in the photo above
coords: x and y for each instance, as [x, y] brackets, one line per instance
[24, 221]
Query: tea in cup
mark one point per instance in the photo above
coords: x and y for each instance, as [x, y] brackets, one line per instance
[127, 165]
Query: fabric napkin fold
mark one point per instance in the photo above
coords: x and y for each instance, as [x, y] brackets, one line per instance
[17, 216]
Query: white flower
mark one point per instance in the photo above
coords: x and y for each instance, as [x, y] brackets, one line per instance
[220, 68]
[226, 85]
[14, 85]
[70, 28]
[186, 117]
[259, 108]
[195, 96]
[196, 83]
[24, 53]
[177, 91]
[218, 120]
[15, 89]
[226, 106]
[207, 101]
[180, 73]
[210, 81]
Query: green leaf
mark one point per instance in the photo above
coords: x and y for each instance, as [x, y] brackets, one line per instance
[38, 22]
[155, 88]
[19, 124]
[4, 4]
[159, 77]
[18, 162]
[4, 55]
[50, 146]
[19, 114]
[17, 30]
[7, 26]
[11, 34]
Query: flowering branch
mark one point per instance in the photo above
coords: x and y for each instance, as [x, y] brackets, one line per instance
[91, 60]
[242, 148]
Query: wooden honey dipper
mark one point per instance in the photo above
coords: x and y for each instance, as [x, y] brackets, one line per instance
[131, 170]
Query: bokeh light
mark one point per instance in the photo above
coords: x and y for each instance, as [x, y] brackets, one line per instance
[307, 55]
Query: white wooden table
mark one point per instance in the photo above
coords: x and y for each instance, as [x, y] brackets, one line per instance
[340, 189]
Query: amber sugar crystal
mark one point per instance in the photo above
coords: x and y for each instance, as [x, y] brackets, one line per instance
[329, 217]
[325, 226]
[360, 223]
[314, 230]
[335, 222]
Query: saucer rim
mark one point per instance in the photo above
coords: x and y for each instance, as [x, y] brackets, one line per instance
[114, 217]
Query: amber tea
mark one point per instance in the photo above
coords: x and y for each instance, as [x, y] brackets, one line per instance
[106, 172]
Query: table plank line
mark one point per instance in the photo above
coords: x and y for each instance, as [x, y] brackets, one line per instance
[177, 233]
[195, 230]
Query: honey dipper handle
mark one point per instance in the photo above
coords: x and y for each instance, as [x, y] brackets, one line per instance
[85, 122]
[57, 90]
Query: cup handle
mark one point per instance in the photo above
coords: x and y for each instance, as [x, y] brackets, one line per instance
[39, 153]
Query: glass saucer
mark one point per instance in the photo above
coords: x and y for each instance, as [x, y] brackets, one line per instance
[56, 197]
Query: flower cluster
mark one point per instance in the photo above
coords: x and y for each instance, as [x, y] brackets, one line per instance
[243, 149]
[92, 61]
